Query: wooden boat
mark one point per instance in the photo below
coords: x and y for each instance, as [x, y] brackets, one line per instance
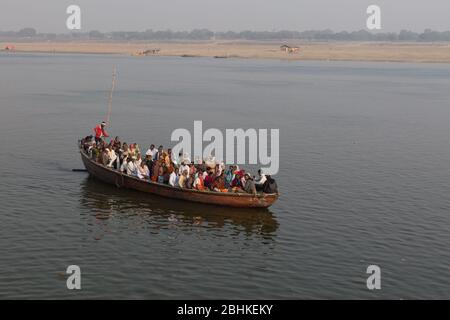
[121, 180]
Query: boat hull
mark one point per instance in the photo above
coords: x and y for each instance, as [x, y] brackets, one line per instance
[114, 177]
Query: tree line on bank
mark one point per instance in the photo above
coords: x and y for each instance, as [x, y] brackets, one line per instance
[204, 34]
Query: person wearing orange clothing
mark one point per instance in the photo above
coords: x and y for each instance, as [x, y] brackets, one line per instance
[199, 183]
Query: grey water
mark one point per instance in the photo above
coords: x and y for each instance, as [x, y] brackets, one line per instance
[364, 180]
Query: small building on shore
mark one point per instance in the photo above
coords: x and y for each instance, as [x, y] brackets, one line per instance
[289, 49]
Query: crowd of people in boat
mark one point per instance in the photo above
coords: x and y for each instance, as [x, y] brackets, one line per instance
[158, 165]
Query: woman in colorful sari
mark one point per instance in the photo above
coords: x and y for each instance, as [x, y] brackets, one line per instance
[198, 182]
[219, 184]
[236, 185]
[229, 176]
[161, 172]
[155, 171]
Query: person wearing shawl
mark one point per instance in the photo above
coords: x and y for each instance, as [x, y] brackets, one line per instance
[111, 156]
[143, 172]
[249, 185]
[236, 184]
[229, 176]
[132, 168]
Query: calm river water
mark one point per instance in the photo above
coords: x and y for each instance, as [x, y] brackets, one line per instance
[364, 176]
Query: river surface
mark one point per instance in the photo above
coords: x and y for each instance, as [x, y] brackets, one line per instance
[364, 180]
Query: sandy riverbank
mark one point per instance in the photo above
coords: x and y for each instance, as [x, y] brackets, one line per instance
[361, 51]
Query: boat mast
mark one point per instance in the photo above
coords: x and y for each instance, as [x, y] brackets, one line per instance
[113, 85]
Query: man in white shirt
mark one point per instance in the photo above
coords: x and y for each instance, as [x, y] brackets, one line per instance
[132, 169]
[152, 151]
[184, 167]
[173, 179]
[259, 182]
[138, 160]
[111, 156]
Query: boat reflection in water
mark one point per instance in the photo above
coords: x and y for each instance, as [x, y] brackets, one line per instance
[106, 203]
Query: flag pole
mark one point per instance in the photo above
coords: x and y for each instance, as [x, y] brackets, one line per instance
[113, 85]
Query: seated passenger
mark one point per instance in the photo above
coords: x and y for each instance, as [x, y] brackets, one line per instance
[259, 182]
[87, 143]
[123, 152]
[270, 186]
[236, 184]
[183, 179]
[104, 157]
[219, 184]
[249, 186]
[198, 182]
[149, 162]
[93, 151]
[138, 159]
[229, 176]
[111, 156]
[205, 172]
[243, 179]
[133, 151]
[132, 169]
[155, 171]
[123, 167]
[190, 182]
[143, 172]
[184, 167]
[166, 174]
[173, 179]
[209, 180]
[161, 172]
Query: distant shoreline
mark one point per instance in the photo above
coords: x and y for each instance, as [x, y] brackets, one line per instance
[325, 51]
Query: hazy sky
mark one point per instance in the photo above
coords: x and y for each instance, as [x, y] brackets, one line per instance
[237, 15]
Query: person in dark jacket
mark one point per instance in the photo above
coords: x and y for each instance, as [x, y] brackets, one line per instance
[270, 186]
